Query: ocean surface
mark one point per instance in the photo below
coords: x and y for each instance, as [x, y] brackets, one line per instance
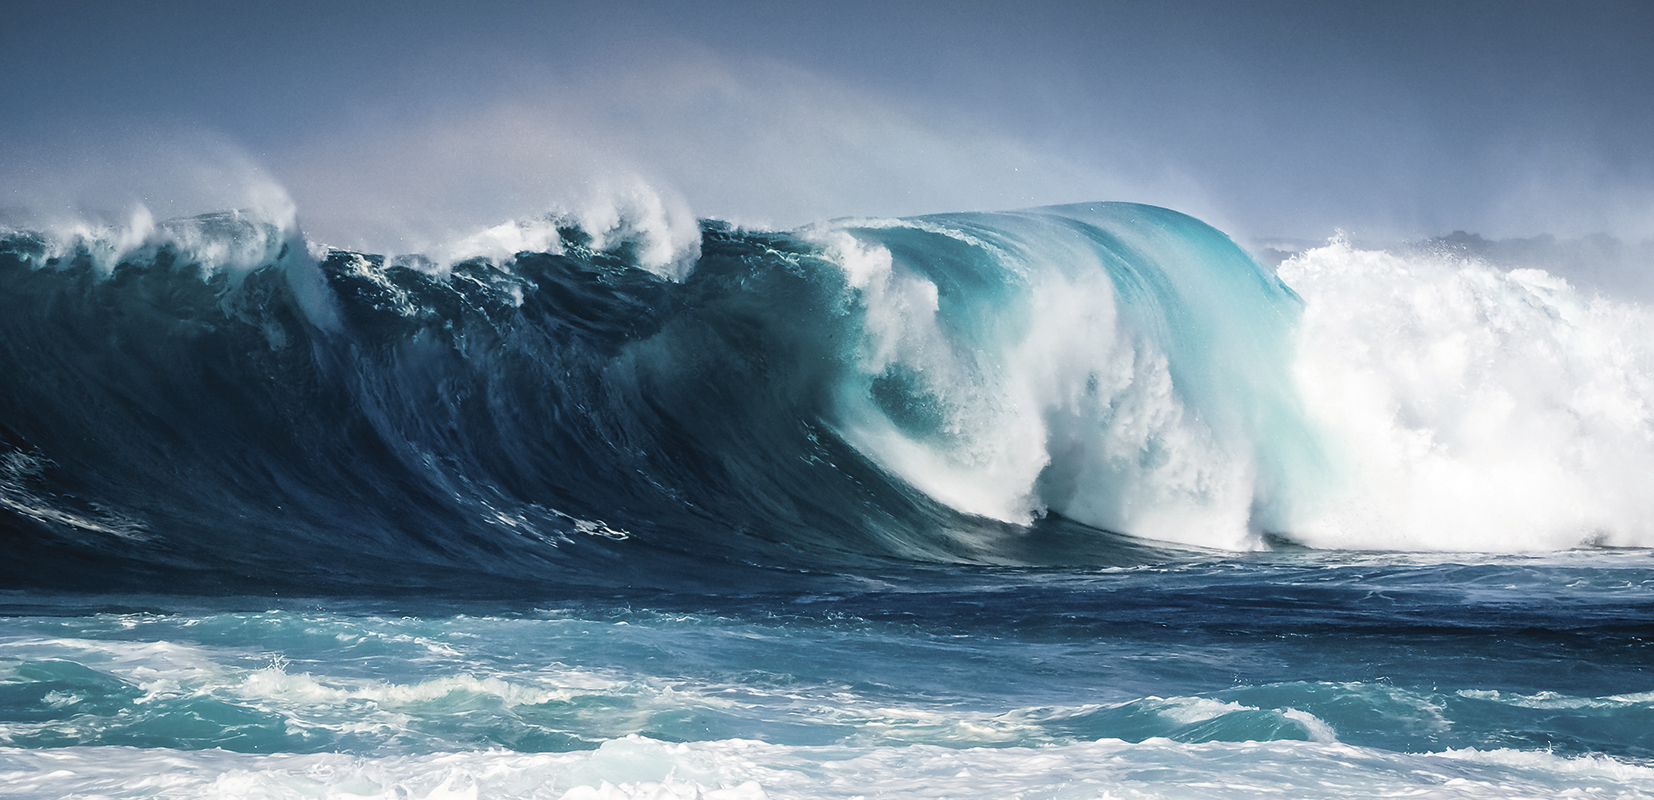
[1069, 502]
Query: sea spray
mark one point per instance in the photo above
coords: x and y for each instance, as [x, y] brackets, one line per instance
[1472, 408]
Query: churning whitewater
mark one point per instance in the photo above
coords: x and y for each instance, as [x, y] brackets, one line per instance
[1077, 501]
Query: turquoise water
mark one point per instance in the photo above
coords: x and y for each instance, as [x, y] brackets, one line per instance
[1313, 675]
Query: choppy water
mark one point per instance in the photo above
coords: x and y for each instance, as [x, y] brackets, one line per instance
[1309, 675]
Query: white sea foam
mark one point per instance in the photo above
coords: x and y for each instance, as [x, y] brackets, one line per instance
[635, 767]
[230, 242]
[1556, 701]
[663, 234]
[1468, 408]
[1189, 710]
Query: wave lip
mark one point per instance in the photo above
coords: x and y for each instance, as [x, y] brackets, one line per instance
[1121, 365]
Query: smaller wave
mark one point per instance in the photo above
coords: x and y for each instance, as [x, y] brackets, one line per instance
[1182, 719]
[1554, 701]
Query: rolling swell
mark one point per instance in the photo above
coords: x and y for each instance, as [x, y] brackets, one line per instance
[341, 421]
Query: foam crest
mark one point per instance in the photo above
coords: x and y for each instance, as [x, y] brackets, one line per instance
[659, 225]
[1555, 701]
[276, 684]
[231, 242]
[103, 244]
[1469, 408]
[499, 243]
[654, 229]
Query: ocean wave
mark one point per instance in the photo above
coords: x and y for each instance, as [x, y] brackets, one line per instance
[605, 397]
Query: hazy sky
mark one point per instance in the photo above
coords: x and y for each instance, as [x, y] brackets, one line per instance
[391, 124]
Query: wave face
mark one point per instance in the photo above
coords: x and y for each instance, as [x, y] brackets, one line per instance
[216, 402]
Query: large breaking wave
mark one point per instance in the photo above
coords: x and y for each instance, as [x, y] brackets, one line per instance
[216, 401]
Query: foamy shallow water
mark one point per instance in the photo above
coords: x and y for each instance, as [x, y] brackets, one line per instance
[1307, 675]
[636, 767]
